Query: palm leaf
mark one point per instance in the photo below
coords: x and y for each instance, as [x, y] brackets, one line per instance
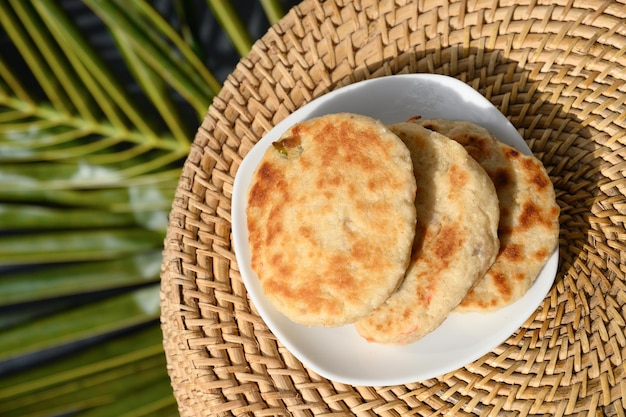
[99, 103]
[86, 321]
[91, 379]
[228, 18]
[40, 285]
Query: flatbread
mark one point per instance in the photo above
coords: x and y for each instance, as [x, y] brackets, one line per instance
[455, 242]
[529, 215]
[331, 219]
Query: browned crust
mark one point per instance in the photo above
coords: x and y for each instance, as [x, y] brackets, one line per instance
[331, 218]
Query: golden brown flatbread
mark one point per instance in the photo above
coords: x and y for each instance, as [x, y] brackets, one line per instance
[455, 242]
[529, 215]
[331, 218]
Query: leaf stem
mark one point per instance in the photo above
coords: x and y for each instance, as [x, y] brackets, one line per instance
[52, 56]
[168, 65]
[47, 112]
[126, 359]
[273, 10]
[35, 61]
[109, 95]
[14, 83]
[232, 25]
[156, 19]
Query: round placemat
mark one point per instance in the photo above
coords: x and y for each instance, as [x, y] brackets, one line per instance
[557, 70]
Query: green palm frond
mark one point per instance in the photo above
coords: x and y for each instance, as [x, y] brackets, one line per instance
[99, 103]
[95, 380]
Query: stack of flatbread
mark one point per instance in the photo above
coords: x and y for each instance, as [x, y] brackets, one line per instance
[391, 228]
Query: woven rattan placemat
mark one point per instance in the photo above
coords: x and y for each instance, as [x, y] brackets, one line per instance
[556, 69]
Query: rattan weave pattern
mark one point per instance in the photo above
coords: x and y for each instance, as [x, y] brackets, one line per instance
[556, 69]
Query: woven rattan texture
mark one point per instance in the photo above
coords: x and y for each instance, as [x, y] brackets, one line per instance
[556, 69]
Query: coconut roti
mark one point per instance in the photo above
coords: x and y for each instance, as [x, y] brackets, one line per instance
[529, 224]
[455, 241]
[331, 218]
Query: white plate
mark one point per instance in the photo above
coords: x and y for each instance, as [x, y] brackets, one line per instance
[340, 354]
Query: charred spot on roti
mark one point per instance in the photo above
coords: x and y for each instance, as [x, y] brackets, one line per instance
[501, 178]
[306, 232]
[268, 178]
[540, 181]
[512, 153]
[554, 213]
[501, 283]
[512, 252]
[372, 184]
[458, 176]
[476, 146]
[447, 243]
[541, 254]
[530, 215]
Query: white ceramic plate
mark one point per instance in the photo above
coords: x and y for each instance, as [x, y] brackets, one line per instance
[340, 354]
